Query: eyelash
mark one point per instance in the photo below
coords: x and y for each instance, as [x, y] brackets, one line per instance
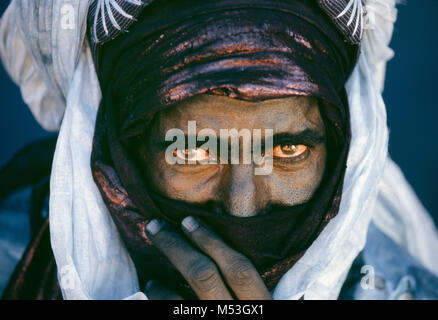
[309, 144]
[289, 161]
[300, 158]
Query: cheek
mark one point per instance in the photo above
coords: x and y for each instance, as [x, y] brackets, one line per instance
[292, 187]
[196, 184]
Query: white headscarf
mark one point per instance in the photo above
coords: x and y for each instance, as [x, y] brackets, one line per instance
[43, 47]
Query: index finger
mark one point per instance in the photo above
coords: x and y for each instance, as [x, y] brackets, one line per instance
[239, 272]
[199, 271]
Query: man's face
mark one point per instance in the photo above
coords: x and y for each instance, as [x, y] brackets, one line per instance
[299, 154]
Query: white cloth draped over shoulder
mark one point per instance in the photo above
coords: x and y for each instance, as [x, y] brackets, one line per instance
[45, 51]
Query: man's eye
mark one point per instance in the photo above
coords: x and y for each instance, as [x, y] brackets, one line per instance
[289, 151]
[197, 154]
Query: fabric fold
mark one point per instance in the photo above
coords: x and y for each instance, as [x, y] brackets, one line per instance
[93, 243]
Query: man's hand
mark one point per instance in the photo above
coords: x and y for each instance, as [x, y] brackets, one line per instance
[213, 271]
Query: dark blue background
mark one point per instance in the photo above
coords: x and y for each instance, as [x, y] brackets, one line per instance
[410, 96]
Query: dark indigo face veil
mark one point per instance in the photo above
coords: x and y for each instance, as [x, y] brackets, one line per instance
[252, 50]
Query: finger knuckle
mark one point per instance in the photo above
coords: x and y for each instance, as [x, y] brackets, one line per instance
[240, 272]
[204, 242]
[203, 274]
[167, 243]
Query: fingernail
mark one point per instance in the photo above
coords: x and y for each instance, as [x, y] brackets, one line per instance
[153, 227]
[190, 224]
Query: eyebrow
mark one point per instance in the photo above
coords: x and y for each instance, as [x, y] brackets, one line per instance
[307, 137]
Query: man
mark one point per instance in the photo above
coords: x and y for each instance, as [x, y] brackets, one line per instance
[228, 233]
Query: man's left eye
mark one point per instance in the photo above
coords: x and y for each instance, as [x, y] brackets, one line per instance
[289, 151]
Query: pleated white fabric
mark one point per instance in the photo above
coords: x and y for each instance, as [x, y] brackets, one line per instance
[54, 69]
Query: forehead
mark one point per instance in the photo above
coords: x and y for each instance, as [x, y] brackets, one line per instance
[218, 112]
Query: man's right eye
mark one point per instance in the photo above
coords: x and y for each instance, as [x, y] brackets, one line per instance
[197, 154]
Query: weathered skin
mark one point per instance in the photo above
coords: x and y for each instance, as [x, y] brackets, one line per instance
[234, 188]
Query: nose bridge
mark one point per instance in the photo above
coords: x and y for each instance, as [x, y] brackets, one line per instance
[241, 193]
